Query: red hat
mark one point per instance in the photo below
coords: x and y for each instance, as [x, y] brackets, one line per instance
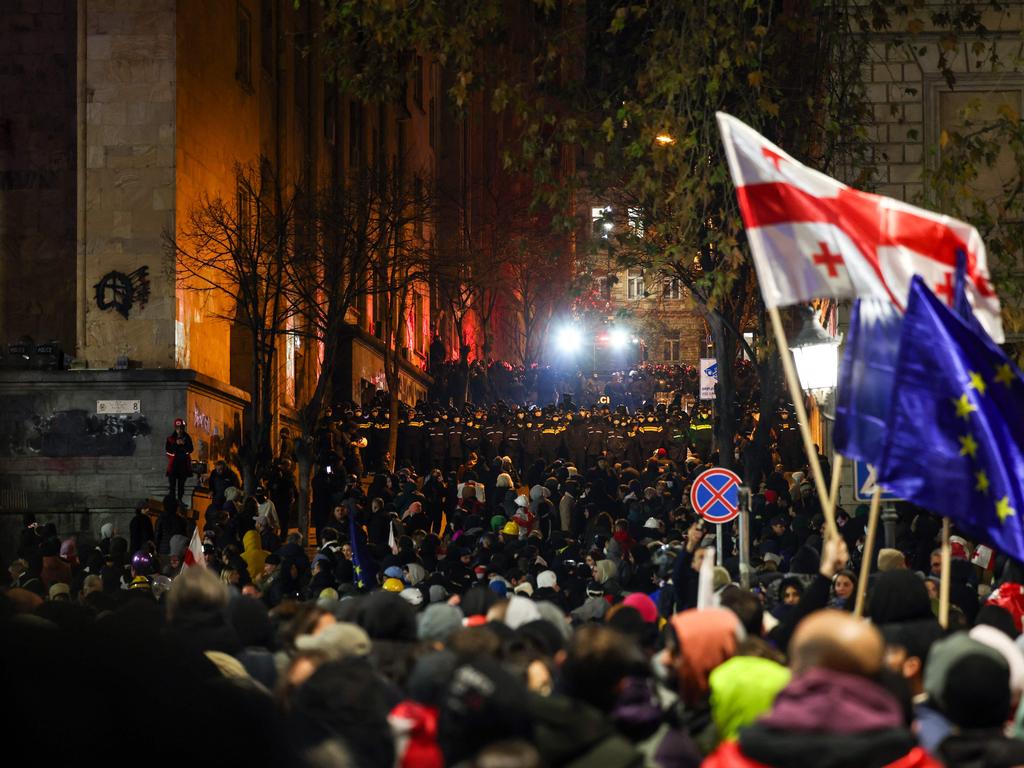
[179, 422]
[771, 496]
[662, 453]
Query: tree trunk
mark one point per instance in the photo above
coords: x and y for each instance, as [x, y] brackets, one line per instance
[771, 388]
[725, 402]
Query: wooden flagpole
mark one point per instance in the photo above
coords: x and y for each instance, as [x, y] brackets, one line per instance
[837, 470]
[944, 584]
[869, 552]
[801, 415]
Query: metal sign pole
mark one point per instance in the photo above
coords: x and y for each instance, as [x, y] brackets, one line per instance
[718, 544]
[744, 536]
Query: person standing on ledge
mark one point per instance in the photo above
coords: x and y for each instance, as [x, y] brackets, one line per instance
[179, 459]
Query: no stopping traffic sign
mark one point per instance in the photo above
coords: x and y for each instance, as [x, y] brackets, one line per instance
[715, 495]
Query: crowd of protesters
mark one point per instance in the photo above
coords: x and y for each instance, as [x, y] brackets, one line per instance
[521, 591]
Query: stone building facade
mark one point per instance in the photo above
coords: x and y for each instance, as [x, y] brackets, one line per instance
[654, 309]
[116, 118]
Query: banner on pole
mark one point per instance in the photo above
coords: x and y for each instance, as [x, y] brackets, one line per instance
[708, 377]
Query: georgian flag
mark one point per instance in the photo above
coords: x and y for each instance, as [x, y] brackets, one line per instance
[812, 236]
[193, 555]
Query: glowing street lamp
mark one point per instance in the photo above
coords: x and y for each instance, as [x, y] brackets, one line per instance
[664, 139]
[816, 355]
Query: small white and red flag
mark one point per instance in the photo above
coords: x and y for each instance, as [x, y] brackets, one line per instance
[194, 553]
[814, 237]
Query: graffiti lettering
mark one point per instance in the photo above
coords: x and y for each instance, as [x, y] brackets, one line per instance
[200, 420]
[119, 291]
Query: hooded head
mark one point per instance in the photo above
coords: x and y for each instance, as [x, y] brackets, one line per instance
[251, 541]
[702, 640]
[742, 689]
[969, 681]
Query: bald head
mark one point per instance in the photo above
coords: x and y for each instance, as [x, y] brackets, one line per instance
[836, 640]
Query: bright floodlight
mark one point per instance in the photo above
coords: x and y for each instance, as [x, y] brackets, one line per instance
[618, 338]
[569, 338]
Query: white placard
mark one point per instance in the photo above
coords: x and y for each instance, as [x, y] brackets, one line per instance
[118, 406]
[708, 377]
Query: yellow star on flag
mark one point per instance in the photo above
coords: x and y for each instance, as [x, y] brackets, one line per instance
[983, 483]
[964, 407]
[977, 382]
[1004, 374]
[967, 446]
[1004, 510]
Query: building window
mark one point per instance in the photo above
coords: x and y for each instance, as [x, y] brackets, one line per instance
[419, 316]
[636, 221]
[417, 83]
[301, 72]
[378, 299]
[601, 218]
[267, 36]
[243, 202]
[243, 49]
[673, 289]
[417, 202]
[671, 350]
[355, 131]
[432, 122]
[330, 111]
[635, 283]
[604, 287]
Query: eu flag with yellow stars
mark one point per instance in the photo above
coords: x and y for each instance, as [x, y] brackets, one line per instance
[955, 443]
[364, 569]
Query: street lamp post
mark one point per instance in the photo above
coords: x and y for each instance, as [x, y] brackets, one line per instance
[816, 355]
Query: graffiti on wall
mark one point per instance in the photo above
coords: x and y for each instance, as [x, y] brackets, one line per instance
[215, 430]
[71, 433]
[120, 292]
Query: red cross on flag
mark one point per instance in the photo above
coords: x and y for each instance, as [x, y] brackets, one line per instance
[813, 237]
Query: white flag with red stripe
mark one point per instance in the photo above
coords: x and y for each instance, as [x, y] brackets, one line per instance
[194, 552]
[814, 237]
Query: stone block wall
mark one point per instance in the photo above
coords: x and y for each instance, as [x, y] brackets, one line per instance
[60, 456]
[129, 180]
[913, 103]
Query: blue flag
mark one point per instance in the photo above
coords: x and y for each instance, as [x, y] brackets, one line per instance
[364, 567]
[865, 380]
[869, 365]
[955, 442]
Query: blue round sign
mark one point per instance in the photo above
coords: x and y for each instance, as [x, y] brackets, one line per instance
[715, 495]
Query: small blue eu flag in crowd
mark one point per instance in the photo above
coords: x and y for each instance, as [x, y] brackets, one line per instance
[955, 443]
[866, 379]
[363, 566]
